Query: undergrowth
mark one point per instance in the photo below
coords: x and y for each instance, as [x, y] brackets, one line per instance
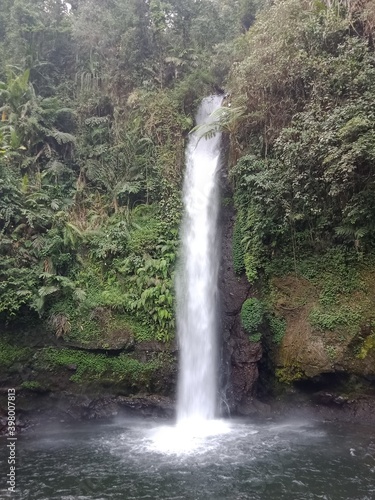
[91, 366]
[10, 354]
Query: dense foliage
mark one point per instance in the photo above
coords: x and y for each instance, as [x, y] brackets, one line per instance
[252, 316]
[304, 147]
[96, 101]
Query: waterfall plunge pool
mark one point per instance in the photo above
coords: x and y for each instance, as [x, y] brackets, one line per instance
[225, 460]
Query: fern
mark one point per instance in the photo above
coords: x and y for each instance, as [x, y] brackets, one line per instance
[63, 137]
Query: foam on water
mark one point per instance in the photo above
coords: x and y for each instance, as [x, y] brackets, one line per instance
[237, 459]
[188, 436]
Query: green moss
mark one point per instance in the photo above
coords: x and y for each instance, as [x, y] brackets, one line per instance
[91, 366]
[368, 345]
[31, 385]
[289, 374]
[10, 354]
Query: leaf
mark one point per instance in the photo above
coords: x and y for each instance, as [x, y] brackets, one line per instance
[80, 294]
[44, 291]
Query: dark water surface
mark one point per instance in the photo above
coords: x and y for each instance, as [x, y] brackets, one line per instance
[144, 459]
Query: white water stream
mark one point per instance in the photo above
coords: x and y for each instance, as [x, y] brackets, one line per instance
[197, 280]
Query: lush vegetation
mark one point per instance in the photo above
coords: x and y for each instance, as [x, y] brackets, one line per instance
[304, 138]
[96, 101]
[252, 313]
[302, 133]
[51, 366]
[88, 366]
[10, 354]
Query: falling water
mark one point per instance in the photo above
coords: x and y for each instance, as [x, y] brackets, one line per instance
[198, 276]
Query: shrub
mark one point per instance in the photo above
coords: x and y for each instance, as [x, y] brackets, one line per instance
[255, 337]
[277, 327]
[90, 366]
[252, 314]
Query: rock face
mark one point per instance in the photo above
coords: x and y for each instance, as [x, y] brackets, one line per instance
[239, 369]
[307, 352]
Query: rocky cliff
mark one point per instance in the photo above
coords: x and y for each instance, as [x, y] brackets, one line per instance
[240, 357]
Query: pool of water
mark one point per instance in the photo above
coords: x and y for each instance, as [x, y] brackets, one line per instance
[236, 459]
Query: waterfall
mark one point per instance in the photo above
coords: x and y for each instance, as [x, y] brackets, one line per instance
[197, 277]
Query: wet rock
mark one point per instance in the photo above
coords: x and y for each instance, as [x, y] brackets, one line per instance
[148, 406]
[326, 405]
[326, 398]
[251, 407]
[117, 341]
[3, 424]
[239, 356]
[100, 409]
[243, 351]
[151, 346]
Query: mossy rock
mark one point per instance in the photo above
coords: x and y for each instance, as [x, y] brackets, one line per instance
[328, 314]
[290, 374]
[114, 333]
[113, 340]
